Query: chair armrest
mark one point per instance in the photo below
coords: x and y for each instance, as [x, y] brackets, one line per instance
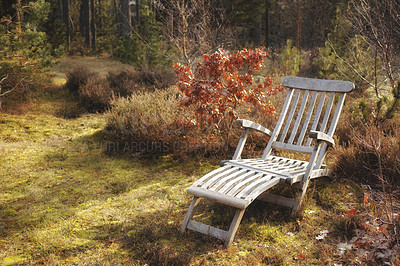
[321, 136]
[250, 124]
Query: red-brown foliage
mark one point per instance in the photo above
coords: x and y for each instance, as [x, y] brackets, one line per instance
[221, 83]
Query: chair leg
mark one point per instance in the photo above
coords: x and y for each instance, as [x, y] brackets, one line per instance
[189, 214]
[297, 203]
[299, 198]
[226, 236]
[234, 226]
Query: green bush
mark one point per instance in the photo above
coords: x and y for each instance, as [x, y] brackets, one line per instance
[24, 55]
[355, 62]
[127, 50]
[16, 82]
[145, 49]
[289, 59]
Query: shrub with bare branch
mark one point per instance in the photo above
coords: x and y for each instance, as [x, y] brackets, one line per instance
[196, 26]
[379, 21]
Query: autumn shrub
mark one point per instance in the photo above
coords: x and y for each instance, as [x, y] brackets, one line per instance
[157, 78]
[370, 152]
[123, 82]
[95, 94]
[89, 88]
[77, 77]
[146, 120]
[221, 84]
[221, 89]
[127, 80]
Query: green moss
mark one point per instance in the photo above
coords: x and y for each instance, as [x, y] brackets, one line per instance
[15, 260]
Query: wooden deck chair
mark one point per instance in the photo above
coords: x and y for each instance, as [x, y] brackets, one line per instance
[306, 124]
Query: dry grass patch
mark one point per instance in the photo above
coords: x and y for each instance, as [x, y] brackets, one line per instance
[102, 65]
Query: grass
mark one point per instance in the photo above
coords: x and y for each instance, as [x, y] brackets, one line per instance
[64, 200]
[61, 195]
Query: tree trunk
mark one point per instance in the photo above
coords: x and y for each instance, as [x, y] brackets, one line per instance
[257, 33]
[125, 21]
[299, 22]
[115, 11]
[81, 21]
[183, 31]
[267, 25]
[84, 22]
[19, 18]
[171, 25]
[65, 18]
[100, 24]
[93, 24]
[137, 13]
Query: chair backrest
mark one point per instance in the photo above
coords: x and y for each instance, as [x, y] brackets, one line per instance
[311, 104]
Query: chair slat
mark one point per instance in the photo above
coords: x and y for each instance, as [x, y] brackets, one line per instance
[225, 179]
[336, 116]
[260, 189]
[249, 167]
[206, 177]
[218, 197]
[288, 168]
[211, 182]
[332, 129]
[278, 125]
[327, 112]
[317, 115]
[243, 184]
[308, 118]
[299, 117]
[279, 164]
[251, 187]
[264, 163]
[289, 119]
[291, 147]
[231, 184]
